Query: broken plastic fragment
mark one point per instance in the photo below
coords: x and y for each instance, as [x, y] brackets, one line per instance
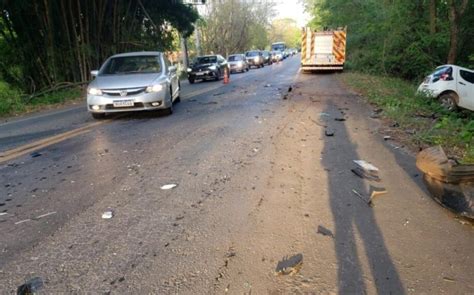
[168, 186]
[324, 231]
[108, 214]
[290, 265]
[35, 155]
[366, 170]
[30, 287]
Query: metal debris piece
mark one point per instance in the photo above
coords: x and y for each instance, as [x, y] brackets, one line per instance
[290, 88]
[108, 214]
[290, 265]
[168, 186]
[30, 287]
[387, 137]
[324, 231]
[366, 170]
[340, 119]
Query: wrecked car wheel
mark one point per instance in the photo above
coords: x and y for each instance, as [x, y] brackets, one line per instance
[448, 101]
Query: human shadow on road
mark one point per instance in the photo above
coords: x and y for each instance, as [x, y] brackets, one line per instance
[355, 223]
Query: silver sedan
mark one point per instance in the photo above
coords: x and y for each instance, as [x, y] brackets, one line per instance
[134, 81]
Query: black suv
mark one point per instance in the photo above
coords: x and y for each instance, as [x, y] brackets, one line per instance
[208, 67]
[255, 58]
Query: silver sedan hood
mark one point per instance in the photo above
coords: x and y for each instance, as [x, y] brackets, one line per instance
[125, 81]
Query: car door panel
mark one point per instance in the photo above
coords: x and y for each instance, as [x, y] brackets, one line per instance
[465, 86]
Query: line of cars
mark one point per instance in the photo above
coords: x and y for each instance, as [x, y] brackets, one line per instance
[214, 67]
[139, 81]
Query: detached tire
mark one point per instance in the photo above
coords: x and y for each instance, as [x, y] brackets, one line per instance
[449, 101]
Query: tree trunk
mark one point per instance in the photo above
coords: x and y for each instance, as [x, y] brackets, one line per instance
[455, 14]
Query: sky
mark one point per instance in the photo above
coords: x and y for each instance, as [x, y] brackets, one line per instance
[292, 9]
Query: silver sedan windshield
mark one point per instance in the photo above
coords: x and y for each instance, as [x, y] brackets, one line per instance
[132, 65]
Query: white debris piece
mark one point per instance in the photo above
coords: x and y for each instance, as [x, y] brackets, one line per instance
[168, 186]
[108, 214]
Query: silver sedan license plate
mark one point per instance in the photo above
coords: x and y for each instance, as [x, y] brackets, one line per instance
[123, 103]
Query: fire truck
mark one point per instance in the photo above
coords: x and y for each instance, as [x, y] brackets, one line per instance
[323, 50]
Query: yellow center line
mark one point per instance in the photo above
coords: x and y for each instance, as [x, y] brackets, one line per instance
[31, 147]
[42, 143]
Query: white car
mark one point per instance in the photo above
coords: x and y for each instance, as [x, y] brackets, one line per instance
[452, 85]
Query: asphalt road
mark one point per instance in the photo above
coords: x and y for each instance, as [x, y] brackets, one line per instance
[258, 186]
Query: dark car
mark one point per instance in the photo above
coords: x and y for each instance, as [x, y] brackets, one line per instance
[255, 58]
[209, 67]
[267, 57]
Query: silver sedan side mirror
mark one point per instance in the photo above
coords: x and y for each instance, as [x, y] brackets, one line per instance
[94, 73]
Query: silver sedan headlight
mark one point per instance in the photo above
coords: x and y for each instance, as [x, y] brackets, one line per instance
[154, 88]
[94, 91]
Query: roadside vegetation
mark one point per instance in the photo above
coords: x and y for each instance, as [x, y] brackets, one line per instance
[14, 102]
[391, 47]
[419, 120]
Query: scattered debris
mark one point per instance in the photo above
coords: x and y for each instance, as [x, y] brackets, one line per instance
[36, 154]
[217, 94]
[290, 265]
[340, 119]
[449, 183]
[22, 221]
[406, 222]
[290, 88]
[268, 85]
[366, 170]
[324, 231]
[361, 197]
[168, 186]
[3, 213]
[324, 114]
[47, 214]
[375, 192]
[387, 137]
[30, 287]
[329, 132]
[210, 102]
[447, 279]
[108, 214]
[285, 97]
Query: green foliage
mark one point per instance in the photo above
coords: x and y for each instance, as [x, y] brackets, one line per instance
[10, 100]
[286, 30]
[234, 26]
[453, 130]
[48, 41]
[394, 37]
